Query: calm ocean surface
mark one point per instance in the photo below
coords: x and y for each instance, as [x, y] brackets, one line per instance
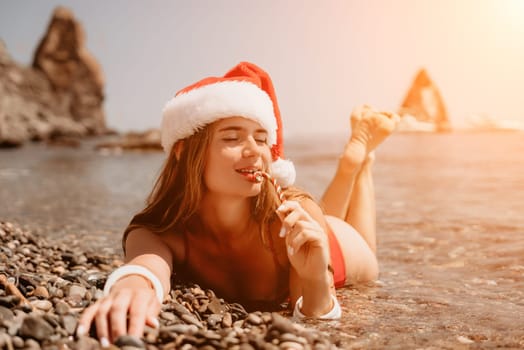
[457, 178]
[450, 215]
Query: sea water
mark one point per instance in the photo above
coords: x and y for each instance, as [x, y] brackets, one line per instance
[450, 224]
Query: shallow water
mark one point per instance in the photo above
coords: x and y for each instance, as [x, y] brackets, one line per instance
[449, 216]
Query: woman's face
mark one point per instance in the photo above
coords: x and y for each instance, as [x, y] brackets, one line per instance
[238, 148]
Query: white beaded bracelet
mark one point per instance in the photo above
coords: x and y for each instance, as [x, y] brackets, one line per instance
[127, 270]
[334, 314]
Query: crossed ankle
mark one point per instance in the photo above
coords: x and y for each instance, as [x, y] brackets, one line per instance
[349, 164]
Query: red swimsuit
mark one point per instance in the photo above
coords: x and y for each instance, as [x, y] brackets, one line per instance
[337, 260]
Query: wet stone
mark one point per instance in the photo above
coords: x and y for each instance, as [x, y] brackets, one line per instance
[56, 292]
[41, 292]
[211, 335]
[291, 345]
[168, 316]
[246, 346]
[254, 319]
[69, 323]
[9, 300]
[31, 344]
[75, 300]
[86, 343]
[189, 318]
[227, 320]
[180, 329]
[61, 308]
[18, 342]
[179, 309]
[213, 320]
[44, 305]
[77, 290]
[6, 314]
[6, 342]
[36, 327]
[51, 319]
[288, 337]
[216, 307]
[282, 324]
[128, 340]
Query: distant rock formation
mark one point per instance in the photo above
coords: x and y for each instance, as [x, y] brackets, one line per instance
[61, 95]
[423, 108]
[148, 140]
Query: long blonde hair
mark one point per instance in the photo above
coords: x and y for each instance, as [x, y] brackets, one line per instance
[179, 189]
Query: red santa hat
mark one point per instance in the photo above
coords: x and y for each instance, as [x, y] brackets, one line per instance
[246, 91]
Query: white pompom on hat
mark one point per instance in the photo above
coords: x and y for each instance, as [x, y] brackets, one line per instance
[245, 91]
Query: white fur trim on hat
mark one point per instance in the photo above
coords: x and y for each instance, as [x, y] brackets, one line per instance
[190, 111]
[283, 171]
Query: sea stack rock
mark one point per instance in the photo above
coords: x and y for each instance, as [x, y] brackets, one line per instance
[423, 108]
[61, 95]
[72, 71]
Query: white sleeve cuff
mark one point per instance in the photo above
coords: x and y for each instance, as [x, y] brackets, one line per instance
[334, 314]
[127, 270]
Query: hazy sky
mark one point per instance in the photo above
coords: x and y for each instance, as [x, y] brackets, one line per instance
[324, 56]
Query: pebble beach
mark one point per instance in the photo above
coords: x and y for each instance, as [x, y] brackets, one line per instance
[46, 287]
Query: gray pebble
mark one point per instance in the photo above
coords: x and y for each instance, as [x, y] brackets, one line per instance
[69, 323]
[36, 327]
[77, 290]
[44, 305]
[291, 345]
[254, 319]
[189, 318]
[61, 308]
[128, 340]
[6, 314]
[227, 320]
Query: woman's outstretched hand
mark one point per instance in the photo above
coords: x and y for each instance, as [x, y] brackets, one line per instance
[306, 241]
[130, 305]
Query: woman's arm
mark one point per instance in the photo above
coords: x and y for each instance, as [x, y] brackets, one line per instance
[132, 300]
[308, 253]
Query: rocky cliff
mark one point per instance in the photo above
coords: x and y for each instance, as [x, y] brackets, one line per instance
[60, 95]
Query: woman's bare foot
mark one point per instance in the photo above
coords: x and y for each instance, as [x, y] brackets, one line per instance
[369, 128]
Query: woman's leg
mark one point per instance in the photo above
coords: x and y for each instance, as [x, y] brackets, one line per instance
[337, 195]
[362, 211]
[355, 232]
[350, 199]
[368, 129]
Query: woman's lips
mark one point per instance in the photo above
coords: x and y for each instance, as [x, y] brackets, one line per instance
[249, 173]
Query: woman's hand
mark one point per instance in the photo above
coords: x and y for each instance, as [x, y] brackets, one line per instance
[306, 240]
[131, 304]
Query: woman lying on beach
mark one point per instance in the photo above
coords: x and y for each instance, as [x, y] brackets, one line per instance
[216, 218]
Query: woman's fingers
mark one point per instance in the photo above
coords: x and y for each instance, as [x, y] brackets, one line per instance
[102, 326]
[124, 312]
[84, 323]
[290, 212]
[295, 221]
[152, 321]
[138, 313]
[118, 314]
[302, 233]
[152, 312]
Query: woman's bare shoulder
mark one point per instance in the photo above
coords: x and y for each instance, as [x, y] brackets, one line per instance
[142, 240]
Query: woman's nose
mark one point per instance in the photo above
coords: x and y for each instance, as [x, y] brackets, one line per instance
[251, 148]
